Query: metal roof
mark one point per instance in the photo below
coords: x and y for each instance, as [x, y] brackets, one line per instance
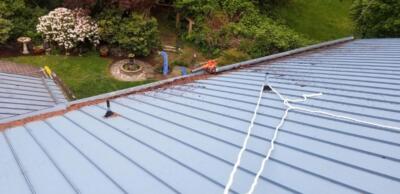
[185, 138]
[20, 94]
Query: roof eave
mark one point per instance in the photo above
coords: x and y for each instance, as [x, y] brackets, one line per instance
[66, 107]
[284, 54]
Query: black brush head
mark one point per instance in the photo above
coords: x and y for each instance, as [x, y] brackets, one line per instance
[109, 113]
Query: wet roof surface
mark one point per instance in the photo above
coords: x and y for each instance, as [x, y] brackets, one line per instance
[20, 94]
[185, 139]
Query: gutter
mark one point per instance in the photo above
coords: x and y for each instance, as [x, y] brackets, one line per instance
[74, 105]
[284, 54]
[63, 108]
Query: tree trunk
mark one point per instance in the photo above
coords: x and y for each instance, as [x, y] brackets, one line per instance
[178, 20]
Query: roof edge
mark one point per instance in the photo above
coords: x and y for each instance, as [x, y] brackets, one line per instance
[284, 54]
[73, 105]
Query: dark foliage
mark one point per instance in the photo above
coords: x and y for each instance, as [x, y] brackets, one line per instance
[377, 18]
[134, 32]
[19, 18]
[99, 5]
[227, 24]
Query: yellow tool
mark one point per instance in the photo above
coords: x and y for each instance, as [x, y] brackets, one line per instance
[48, 71]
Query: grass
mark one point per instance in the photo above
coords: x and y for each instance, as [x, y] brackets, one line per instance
[86, 76]
[318, 19]
[89, 76]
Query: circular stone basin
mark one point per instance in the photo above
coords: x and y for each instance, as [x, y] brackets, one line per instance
[125, 70]
[144, 72]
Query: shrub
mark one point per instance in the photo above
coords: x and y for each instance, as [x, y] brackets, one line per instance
[8, 8]
[208, 40]
[262, 36]
[196, 9]
[231, 56]
[138, 34]
[377, 18]
[237, 8]
[212, 36]
[239, 24]
[109, 21]
[179, 63]
[67, 28]
[134, 33]
[5, 28]
[25, 22]
[22, 17]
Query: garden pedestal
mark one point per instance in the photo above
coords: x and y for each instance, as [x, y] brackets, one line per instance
[24, 41]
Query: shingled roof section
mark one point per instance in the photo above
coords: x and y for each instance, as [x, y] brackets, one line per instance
[186, 138]
[21, 94]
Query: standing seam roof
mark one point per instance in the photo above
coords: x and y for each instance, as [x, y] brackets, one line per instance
[185, 138]
[20, 94]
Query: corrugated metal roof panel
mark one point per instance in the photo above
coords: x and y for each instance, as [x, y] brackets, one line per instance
[185, 138]
[21, 94]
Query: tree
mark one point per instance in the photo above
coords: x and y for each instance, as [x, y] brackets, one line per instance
[5, 24]
[8, 8]
[265, 5]
[196, 8]
[23, 17]
[137, 5]
[143, 6]
[377, 18]
[25, 21]
[135, 32]
[5, 28]
[47, 4]
[237, 8]
[72, 4]
[227, 24]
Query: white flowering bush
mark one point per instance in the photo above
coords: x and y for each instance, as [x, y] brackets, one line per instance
[67, 28]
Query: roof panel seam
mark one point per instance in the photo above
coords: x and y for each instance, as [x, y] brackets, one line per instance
[44, 150]
[19, 163]
[122, 154]
[193, 147]
[86, 157]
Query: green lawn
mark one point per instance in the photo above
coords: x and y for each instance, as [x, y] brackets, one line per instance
[86, 76]
[318, 19]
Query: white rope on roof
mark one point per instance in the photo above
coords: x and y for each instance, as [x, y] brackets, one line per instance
[239, 157]
[286, 102]
[272, 147]
[347, 118]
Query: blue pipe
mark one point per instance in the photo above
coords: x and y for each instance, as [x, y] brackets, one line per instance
[165, 62]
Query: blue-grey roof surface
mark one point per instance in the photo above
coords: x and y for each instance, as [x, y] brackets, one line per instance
[185, 139]
[20, 94]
